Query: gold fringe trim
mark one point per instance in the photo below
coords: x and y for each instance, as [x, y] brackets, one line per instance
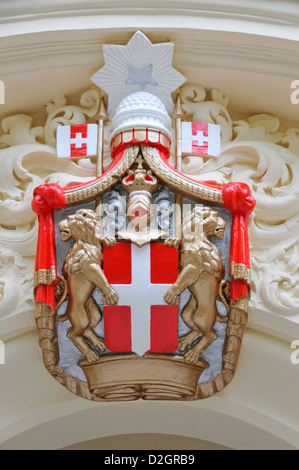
[240, 271]
[45, 276]
[140, 135]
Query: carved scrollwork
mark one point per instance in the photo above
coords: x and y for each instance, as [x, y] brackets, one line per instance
[263, 156]
[214, 110]
[20, 129]
[27, 160]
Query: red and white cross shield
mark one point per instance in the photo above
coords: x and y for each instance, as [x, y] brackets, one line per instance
[141, 321]
[77, 140]
[201, 138]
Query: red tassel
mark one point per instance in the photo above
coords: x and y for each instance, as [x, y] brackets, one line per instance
[238, 200]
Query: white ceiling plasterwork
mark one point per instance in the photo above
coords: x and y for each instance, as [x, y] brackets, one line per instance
[212, 55]
[246, 16]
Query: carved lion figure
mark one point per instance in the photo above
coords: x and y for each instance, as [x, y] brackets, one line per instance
[82, 273]
[202, 272]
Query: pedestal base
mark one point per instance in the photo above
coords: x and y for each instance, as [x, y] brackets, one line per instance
[151, 377]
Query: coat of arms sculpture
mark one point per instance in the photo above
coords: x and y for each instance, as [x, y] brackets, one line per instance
[142, 275]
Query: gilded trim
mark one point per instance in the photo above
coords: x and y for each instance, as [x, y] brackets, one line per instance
[240, 271]
[45, 276]
[134, 136]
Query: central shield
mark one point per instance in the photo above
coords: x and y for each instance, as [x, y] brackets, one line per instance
[141, 321]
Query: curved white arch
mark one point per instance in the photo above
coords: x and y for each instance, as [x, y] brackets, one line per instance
[226, 428]
[241, 16]
[257, 410]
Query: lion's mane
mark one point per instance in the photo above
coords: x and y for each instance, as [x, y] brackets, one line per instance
[86, 231]
[198, 226]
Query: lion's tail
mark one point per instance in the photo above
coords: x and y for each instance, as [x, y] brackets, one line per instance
[61, 293]
[223, 286]
[61, 318]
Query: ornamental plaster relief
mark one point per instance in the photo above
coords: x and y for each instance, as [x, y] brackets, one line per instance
[255, 151]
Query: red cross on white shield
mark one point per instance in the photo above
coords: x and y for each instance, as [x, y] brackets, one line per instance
[77, 140]
[141, 321]
[201, 138]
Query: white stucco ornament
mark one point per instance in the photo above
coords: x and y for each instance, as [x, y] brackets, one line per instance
[138, 66]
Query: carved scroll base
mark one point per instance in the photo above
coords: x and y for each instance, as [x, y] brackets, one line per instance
[151, 377]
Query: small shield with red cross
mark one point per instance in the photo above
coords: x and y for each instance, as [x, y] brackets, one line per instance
[141, 322]
[201, 138]
[77, 141]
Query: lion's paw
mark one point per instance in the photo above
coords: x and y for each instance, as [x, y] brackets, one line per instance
[187, 340]
[191, 357]
[109, 241]
[92, 357]
[99, 343]
[183, 344]
[172, 241]
[110, 296]
[171, 297]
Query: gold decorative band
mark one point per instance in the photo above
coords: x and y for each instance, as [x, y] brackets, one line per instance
[135, 136]
[240, 271]
[45, 276]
